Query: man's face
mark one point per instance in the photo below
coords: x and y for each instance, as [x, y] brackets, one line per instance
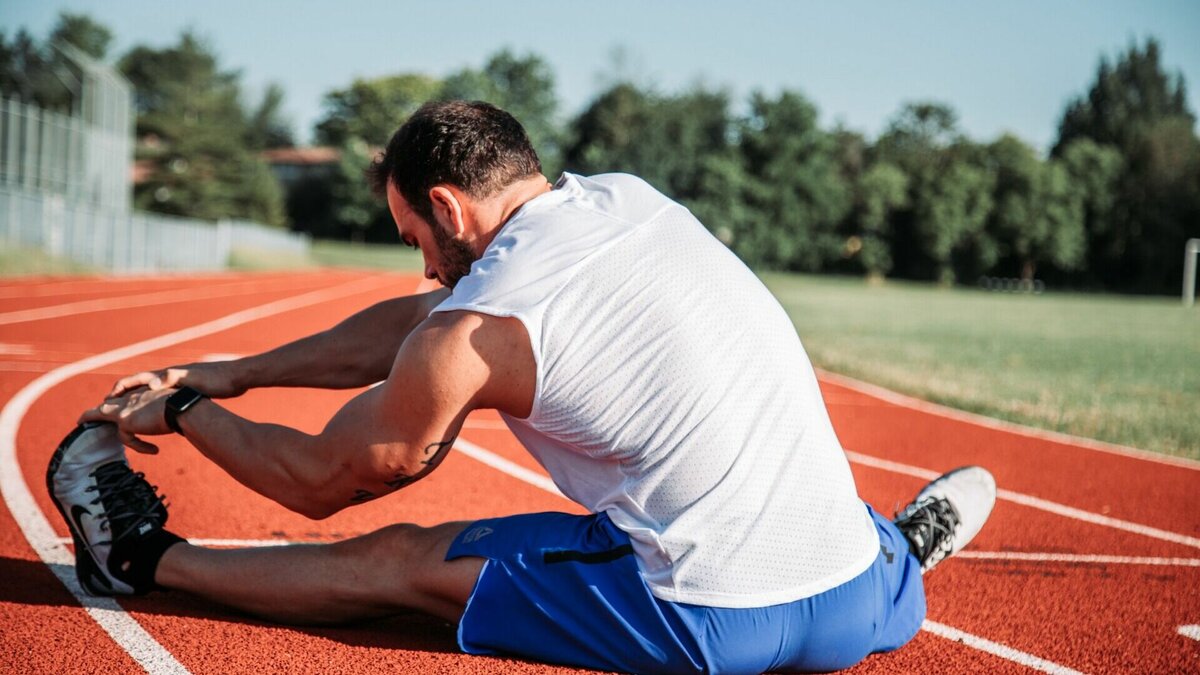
[447, 259]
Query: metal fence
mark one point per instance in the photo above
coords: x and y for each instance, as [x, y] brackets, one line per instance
[65, 187]
[86, 155]
[131, 242]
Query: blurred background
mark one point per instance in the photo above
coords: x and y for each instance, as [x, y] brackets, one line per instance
[1053, 142]
[1021, 149]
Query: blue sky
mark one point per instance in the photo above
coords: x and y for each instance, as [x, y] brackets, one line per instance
[1003, 66]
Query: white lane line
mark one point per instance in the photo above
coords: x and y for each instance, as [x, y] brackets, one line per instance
[505, 466]
[9, 349]
[124, 629]
[223, 543]
[145, 300]
[1077, 558]
[997, 649]
[92, 284]
[1001, 425]
[1190, 631]
[1035, 502]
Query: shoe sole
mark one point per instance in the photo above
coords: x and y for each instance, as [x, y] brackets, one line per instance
[87, 570]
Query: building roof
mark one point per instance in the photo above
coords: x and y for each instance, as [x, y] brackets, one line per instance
[317, 155]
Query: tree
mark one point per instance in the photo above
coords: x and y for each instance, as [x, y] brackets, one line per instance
[609, 134]
[355, 207]
[793, 185]
[81, 32]
[1094, 171]
[1125, 100]
[25, 73]
[1139, 110]
[952, 206]
[266, 127]
[919, 135]
[1038, 215]
[663, 139]
[882, 190]
[192, 112]
[373, 109]
[949, 194]
[39, 73]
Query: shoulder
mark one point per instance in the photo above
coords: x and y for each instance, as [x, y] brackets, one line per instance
[470, 354]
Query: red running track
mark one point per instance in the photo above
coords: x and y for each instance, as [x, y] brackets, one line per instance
[1090, 563]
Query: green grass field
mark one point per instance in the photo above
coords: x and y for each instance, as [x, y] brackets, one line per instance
[1113, 368]
[332, 254]
[1118, 369]
[22, 262]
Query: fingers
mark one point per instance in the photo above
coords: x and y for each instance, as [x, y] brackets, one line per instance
[168, 379]
[136, 444]
[156, 380]
[105, 412]
[126, 384]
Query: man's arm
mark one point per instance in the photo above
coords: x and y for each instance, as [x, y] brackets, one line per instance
[357, 352]
[384, 439]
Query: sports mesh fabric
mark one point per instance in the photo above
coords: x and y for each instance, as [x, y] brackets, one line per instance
[673, 394]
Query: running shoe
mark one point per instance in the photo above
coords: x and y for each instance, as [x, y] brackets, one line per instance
[109, 509]
[947, 514]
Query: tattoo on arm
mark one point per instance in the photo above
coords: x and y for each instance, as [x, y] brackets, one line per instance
[435, 451]
[361, 495]
[433, 455]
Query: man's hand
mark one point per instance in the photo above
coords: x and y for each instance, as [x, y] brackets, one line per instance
[137, 412]
[213, 379]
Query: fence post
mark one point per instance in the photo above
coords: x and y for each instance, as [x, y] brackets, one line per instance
[1189, 271]
[224, 242]
[52, 220]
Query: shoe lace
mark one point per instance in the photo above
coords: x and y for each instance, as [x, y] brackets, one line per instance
[929, 524]
[128, 500]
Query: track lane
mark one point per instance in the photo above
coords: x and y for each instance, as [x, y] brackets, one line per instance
[1044, 606]
[1139, 491]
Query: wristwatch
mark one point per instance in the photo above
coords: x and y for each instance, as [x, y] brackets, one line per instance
[179, 403]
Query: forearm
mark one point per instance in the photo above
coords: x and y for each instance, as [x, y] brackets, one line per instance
[280, 463]
[357, 352]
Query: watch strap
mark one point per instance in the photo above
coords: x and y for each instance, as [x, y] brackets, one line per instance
[179, 403]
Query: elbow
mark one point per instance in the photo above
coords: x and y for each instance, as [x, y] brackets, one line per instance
[310, 506]
[312, 510]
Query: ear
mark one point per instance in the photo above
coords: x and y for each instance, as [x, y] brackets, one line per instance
[448, 209]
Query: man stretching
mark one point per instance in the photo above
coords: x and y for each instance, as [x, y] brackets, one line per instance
[645, 367]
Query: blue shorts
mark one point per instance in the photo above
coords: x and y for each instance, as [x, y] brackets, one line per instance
[566, 589]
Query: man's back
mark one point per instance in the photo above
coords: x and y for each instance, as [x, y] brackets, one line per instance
[674, 395]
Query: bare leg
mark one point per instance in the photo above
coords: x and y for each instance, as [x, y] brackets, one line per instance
[397, 567]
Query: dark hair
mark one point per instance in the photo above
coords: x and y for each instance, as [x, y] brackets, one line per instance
[471, 145]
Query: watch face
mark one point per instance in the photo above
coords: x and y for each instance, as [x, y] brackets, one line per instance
[177, 404]
[184, 399]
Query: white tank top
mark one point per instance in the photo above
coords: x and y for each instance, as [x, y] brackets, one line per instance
[674, 395]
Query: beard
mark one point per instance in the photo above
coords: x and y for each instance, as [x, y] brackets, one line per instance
[456, 255]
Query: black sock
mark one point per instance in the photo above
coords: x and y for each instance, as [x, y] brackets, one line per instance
[135, 560]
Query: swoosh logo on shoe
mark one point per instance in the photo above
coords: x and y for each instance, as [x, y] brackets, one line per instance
[76, 512]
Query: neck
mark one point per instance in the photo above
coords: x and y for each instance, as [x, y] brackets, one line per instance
[499, 208]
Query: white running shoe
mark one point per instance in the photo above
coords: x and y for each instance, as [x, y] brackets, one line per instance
[947, 514]
[105, 504]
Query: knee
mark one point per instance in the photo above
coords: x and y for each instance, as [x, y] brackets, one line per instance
[386, 563]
